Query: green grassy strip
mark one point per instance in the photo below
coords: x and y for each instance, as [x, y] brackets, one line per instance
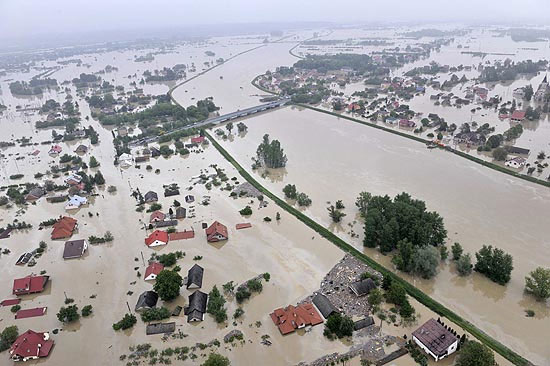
[411, 290]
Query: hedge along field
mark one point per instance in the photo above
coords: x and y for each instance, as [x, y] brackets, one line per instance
[411, 290]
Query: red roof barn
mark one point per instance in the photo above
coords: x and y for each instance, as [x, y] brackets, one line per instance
[157, 216]
[157, 237]
[63, 228]
[152, 271]
[216, 232]
[31, 345]
[29, 285]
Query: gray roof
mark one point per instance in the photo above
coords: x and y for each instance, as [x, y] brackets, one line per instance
[171, 192]
[74, 249]
[194, 276]
[363, 287]
[181, 212]
[147, 300]
[160, 328]
[363, 323]
[324, 305]
[197, 304]
[37, 192]
[166, 223]
[151, 196]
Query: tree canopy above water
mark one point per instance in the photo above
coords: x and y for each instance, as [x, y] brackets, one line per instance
[271, 154]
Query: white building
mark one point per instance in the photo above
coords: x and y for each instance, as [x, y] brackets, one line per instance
[75, 202]
[436, 339]
[516, 163]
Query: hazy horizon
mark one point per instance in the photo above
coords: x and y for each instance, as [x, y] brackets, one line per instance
[24, 22]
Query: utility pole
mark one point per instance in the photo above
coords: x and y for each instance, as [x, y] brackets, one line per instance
[128, 305]
[143, 259]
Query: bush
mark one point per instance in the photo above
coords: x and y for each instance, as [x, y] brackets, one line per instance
[338, 326]
[215, 359]
[246, 211]
[153, 314]
[15, 308]
[128, 321]
[87, 310]
[238, 313]
[68, 314]
[255, 285]
[242, 294]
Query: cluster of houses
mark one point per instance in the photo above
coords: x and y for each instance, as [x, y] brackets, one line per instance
[214, 233]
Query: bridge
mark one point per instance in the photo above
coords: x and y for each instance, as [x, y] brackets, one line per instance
[220, 119]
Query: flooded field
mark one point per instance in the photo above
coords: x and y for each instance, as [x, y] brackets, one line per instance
[331, 159]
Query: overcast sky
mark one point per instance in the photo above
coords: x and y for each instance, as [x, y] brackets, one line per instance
[25, 19]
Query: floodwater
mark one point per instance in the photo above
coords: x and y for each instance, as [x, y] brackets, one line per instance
[331, 159]
[297, 258]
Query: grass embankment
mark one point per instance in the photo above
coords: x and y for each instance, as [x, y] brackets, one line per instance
[411, 290]
[475, 159]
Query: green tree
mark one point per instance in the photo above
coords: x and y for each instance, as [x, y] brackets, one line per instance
[216, 304]
[7, 337]
[475, 354]
[500, 154]
[271, 154]
[464, 265]
[403, 258]
[335, 214]
[290, 191]
[362, 202]
[127, 322]
[338, 326]
[98, 179]
[168, 284]
[538, 283]
[229, 127]
[215, 359]
[93, 162]
[87, 310]
[396, 294]
[425, 261]
[456, 250]
[303, 199]
[68, 314]
[495, 264]
[375, 297]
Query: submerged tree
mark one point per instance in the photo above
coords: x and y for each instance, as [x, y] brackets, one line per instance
[538, 283]
[495, 264]
[271, 154]
[335, 214]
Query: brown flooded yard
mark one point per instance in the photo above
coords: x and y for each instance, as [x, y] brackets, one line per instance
[331, 159]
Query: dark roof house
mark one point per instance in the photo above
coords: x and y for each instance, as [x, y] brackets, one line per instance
[181, 212]
[147, 300]
[197, 306]
[435, 339]
[150, 197]
[75, 248]
[194, 277]
[363, 287]
[323, 304]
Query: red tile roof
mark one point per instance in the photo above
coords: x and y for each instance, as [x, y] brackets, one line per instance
[30, 313]
[157, 216]
[197, 140]
[153, 268]
[10, 302]
[215, 230]
[179, 235]
[31, 344]
[518, 115]
[294, 317]
[29, 285]
[63, 228]
[156, 235]
[244, 225]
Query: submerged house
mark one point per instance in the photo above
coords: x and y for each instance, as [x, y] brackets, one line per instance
[150, 197]
[516, 163]
[157, 237]
[31, 284]
[363, 287]
[75, 202]
[435, 339]
[157, 216]
[75, 248]
[152, 271]
[31, 345]
[517, 116]
[216, 232]
[324, 306]
[63, 228]
[147, 300]
[295, 317]
[194, 277]
[197, 307]
[181, 212]
[35, 194]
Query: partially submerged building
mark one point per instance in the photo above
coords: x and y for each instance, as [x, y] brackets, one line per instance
[147, 300]
[157, 237]
[63, 228]
[292, 317]
[31, 345]
[194, 277]
[152, 271]
[216, 232]
[363, 287]
[324, 306]
[31, 284]
[197, 307]
[435, 339]
[75, 248]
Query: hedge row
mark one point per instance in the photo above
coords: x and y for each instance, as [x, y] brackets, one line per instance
[411, 290]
